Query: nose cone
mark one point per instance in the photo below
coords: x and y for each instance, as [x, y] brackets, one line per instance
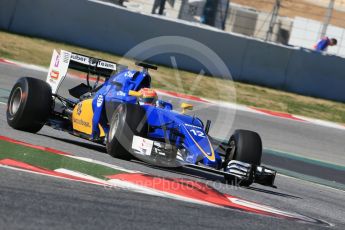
[200, 146]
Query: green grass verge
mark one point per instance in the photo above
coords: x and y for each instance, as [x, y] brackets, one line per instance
[52, 161]
[38, 51]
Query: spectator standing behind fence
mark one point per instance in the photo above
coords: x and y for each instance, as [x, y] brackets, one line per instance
[324, 43]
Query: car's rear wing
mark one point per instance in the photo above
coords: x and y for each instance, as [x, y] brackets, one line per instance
[61, 62]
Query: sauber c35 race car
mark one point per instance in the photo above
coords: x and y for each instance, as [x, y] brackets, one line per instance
[110, 109]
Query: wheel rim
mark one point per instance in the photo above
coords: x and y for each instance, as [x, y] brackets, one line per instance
[114, 126]
[233, 148]
[15, 101]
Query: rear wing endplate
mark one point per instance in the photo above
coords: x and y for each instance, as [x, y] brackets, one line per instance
[61, 62]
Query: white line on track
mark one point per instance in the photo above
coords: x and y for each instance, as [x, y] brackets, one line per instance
[103, 163]
[44, 174]
[80, 175]
[3, 103]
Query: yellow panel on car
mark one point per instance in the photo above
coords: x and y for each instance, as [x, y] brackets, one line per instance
[82, 118]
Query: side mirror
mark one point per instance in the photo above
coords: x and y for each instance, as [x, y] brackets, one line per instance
[134, 93]
[186, 106]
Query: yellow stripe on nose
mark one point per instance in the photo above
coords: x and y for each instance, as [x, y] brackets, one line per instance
[212, 157]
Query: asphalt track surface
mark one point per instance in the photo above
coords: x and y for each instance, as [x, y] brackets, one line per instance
[30, 201]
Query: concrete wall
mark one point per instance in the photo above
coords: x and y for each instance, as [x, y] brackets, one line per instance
[116, 30]
[7, 10]
[317, 75]
[265, 64]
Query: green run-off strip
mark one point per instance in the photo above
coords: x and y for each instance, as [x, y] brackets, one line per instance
[294, 156]
[309, 178]
[304, 159]
[52, 161]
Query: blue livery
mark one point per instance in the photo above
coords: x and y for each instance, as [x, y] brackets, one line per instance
[192, 136]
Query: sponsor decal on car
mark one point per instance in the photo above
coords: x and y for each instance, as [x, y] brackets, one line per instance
[106, 65]
[121, 93]
[192, 126]
[57, 61]
[65, 57]
[99, 101]
[80, 59]
[81, 122]
[54, 74]
[79, 108]
[129, 74]
[142, 145]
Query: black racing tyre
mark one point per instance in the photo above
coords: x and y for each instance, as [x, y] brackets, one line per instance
[127, 120]
[246, 146]
[29, 104]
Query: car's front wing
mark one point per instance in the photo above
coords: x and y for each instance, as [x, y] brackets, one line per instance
[165, 155]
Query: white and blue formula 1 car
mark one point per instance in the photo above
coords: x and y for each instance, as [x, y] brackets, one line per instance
[106, 110]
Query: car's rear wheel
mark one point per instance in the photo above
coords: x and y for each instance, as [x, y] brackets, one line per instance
[29, 104]
[127, 120]
[245, 146]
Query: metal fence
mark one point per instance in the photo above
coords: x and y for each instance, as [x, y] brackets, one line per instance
[290, 22]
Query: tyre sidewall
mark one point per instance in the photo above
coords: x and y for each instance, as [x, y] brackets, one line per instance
[248, 147]
[35, 105]
[14, 119]
[120, 146]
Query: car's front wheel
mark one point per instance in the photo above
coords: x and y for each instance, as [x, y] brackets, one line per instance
[245, 146]
[29, 104]
[127, 120]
